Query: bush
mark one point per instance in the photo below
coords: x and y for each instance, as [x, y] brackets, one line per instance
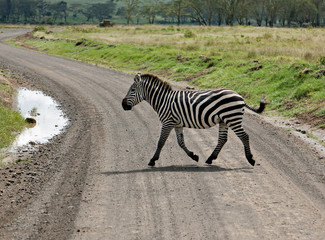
[171, 28]
[322, 60]
[307, 25]
[189, 34]
[40, 29]
[294, 25]
[267, 35]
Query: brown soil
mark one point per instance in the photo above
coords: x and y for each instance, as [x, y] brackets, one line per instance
[312, 119]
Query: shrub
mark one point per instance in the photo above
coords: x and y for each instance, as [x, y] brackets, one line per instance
[189, 34]
[171, 28]
[322, 60]
[40, 29]
[307, 25]
[267, 35]
[294, 25]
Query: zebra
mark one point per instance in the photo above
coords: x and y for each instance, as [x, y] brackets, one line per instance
[191, 109]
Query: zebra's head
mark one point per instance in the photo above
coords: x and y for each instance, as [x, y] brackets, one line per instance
[134, 95]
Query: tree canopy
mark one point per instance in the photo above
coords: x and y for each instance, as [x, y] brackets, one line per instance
[202, 12]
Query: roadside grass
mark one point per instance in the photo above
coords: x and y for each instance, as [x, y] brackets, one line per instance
[11, 121]
[284, 65]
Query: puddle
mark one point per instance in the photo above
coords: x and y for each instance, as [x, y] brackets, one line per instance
[50, 120]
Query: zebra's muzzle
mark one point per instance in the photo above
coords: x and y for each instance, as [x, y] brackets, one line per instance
[125, 105]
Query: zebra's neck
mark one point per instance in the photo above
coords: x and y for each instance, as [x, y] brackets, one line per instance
[157, 93]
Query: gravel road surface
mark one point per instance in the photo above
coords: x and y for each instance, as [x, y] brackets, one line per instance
[93, 181]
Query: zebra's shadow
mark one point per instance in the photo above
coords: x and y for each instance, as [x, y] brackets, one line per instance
[179, 168]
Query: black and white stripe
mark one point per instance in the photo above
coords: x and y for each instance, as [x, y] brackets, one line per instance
[191, 109]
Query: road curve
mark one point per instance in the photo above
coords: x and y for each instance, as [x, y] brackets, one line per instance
[101, 187]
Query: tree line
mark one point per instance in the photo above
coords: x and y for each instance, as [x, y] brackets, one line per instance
[61, 12]
[294, 13]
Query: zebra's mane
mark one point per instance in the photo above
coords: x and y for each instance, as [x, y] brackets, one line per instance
[153, 78]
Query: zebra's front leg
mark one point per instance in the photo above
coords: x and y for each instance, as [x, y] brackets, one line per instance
[165, 131]
[223, 136]
[181, 143]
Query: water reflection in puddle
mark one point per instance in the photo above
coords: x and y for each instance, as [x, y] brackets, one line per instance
[50, 120]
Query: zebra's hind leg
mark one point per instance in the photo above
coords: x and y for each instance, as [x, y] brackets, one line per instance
[223, 136]
[181, 143]
[243, 136]
[165, 131]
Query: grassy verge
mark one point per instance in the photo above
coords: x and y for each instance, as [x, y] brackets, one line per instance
[11, 121]
[285, 65]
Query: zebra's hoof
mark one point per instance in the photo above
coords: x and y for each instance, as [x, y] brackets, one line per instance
[209, 161]
[252, 162]
[151, 163]
[195, 158]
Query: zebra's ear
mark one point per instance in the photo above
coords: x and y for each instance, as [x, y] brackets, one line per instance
[137, 77]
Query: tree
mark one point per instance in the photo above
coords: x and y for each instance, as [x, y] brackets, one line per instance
[229, 8]
[150, 8]
[203, 11]
[27, 9]
[178, 8]
[319, 4]
[130, 8]
[76, 9]
[271, 10]
[242, 13]
[42, 9]
[257, 10]
[102, 10]
[3, 10]
[59, 10]
[287, 12]
[306, 12]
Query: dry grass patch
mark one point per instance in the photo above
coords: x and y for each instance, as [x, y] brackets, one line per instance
[304, 44]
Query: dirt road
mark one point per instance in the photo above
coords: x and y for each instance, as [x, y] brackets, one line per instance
[95, 183]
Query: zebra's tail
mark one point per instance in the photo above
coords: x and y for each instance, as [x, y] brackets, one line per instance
[263, 103]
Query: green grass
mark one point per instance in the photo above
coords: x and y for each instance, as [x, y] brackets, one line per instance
[282, 64]
[11, 122]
